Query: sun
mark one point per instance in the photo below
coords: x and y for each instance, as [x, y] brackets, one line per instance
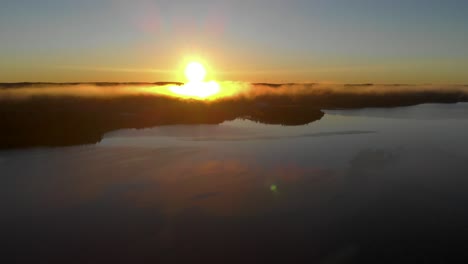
[196, 87]
[195, 72]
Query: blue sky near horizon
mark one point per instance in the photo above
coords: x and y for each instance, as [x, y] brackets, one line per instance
[397, 41]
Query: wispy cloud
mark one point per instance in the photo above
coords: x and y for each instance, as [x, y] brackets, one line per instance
[114, 69]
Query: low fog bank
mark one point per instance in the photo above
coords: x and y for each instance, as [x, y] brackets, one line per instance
[238, 90]
[69, 114]
[10, 91]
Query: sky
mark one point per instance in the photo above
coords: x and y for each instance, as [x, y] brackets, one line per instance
[330, 41]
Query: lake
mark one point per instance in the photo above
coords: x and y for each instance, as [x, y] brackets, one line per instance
[374, 185]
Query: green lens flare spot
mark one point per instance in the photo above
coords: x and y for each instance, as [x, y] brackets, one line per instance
[273, 188]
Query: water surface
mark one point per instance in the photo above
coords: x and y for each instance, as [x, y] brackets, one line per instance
[369, 185]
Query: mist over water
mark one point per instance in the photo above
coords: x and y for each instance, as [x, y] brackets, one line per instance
[228, 89]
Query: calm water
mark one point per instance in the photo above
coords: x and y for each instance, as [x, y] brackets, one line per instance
[370, 185]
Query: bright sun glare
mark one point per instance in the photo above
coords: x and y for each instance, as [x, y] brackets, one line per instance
[196, 86]
[195, 72]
